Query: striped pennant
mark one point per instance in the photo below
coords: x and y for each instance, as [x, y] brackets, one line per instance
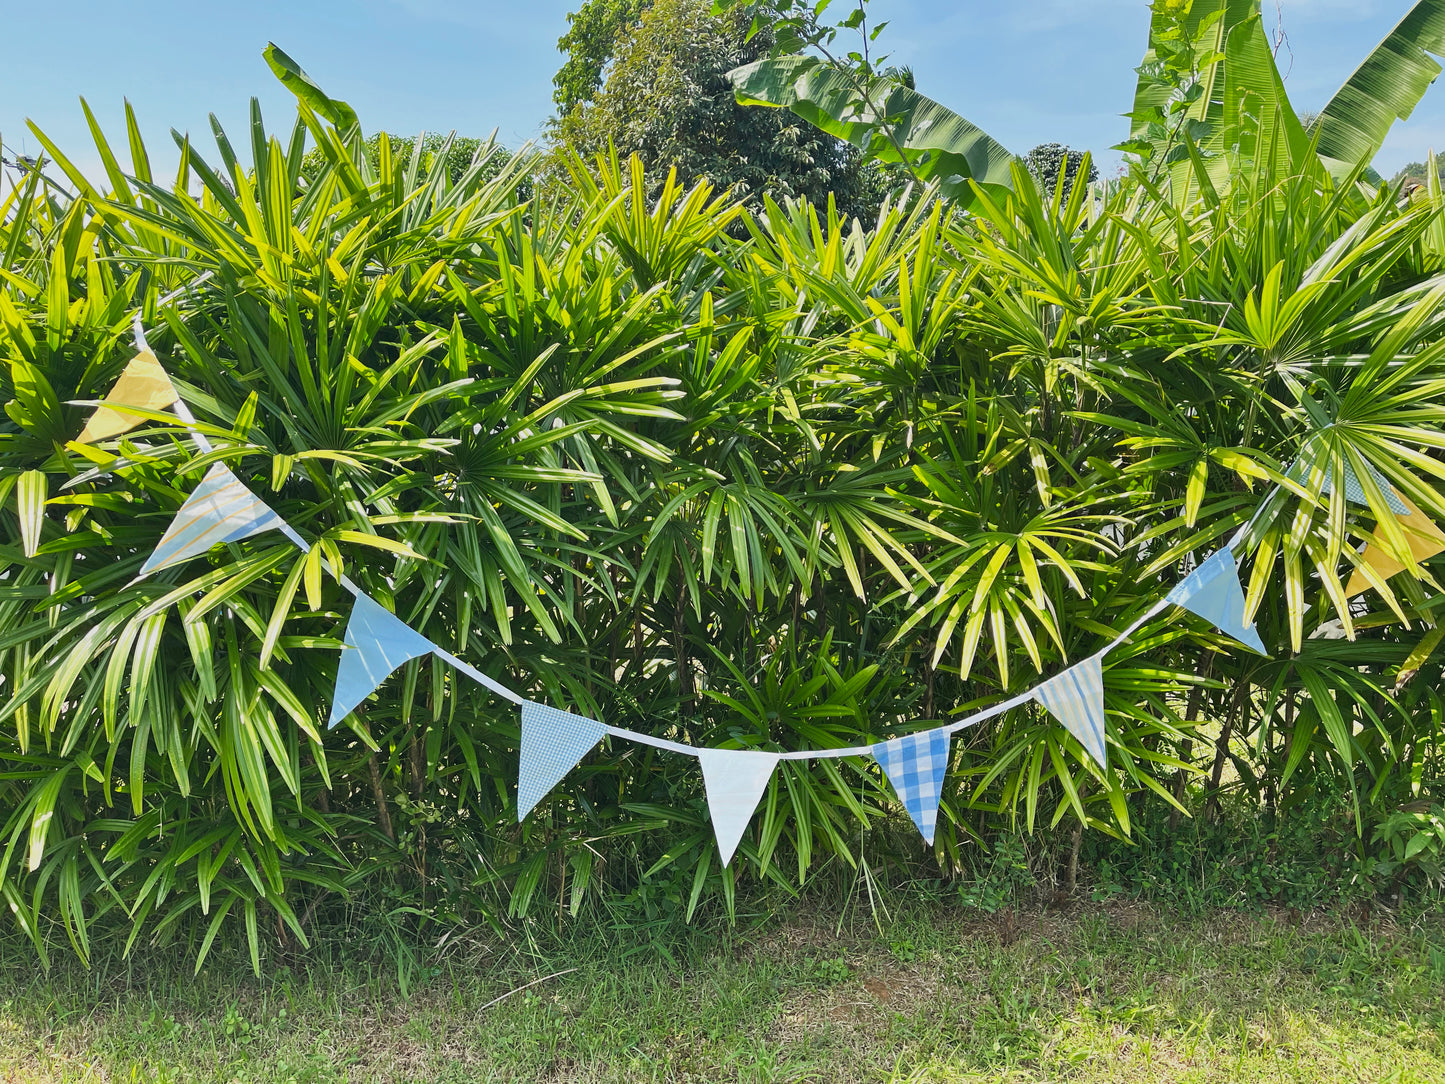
[553, 742]
[220, 510]
[1076, 699]
[377, 642]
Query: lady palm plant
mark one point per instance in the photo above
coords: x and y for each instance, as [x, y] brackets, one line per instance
[772, 482]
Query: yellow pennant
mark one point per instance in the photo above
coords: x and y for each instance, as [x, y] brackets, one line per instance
[144, 384]
[1421, 535]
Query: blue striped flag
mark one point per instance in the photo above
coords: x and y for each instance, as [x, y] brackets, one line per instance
[220, 510]
[1076, 699]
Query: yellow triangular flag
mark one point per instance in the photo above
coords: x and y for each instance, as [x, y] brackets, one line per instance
[1421, 535]
[144, 384]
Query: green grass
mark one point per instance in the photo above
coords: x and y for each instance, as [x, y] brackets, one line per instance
[1101, 993]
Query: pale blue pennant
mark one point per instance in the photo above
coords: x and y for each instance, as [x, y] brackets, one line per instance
[1076, 699]
[916, 764]
[220, 509]
[377, 642]
[552, 743]
[1212, 591]
[735, 780]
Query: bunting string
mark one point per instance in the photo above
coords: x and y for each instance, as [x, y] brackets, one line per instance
[553, 742]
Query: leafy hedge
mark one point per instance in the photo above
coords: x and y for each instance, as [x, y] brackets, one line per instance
[804, 482]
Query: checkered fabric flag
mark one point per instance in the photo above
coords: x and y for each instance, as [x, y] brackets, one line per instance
[1355, 493]
[552, 743]
[1076, 699]
[916, 764]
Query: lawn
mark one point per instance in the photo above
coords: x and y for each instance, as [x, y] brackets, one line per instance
[1100, 992]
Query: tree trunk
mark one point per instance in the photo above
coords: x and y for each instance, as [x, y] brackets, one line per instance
[383, 814]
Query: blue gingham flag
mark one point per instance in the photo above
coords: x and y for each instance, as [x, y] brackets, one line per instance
[1355, 493]
[552, 743]
[915, 764]
[1076, 699]
[220, 509]
[377, 642]
[1212, 591]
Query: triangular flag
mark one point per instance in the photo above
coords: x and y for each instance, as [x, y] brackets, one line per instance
[377, 642]
[1355, 493]
[220, 510]
[1076, 699]
[1421, 535]
[735, 780]
[143, 384]
[1212, 591]
[552, 743]
[915, 764]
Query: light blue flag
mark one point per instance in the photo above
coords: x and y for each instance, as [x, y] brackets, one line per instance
[220, 509]
[1212, 591]
[734, 780]
[1076, 699]
[916, 764]
[552, 743]
[377, 642]
[1355, 493]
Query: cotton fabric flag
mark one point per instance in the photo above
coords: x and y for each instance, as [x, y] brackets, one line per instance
[1421, 535]
[1076, 699]
[1355, 493]
[1213, 592]
[220, 509]
[552, 743]
[916, 764]
[735, 780]
[143, 384]
[377, 642]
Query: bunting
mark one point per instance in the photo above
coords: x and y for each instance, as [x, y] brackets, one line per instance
[377, 642]
[1213, 592]
[1421, 535]
[552, 743]
[916, 764]
[143, 384]
[1076, 699]
[735, 780]
[1355, 493]
[220, 509]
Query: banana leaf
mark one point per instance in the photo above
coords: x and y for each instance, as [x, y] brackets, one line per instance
[935, 142]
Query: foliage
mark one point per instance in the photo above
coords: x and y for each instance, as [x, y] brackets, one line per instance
[1048, 160]
[758, 478]
[590, 41]
[667, 100]
[857, 97]
[456, 154]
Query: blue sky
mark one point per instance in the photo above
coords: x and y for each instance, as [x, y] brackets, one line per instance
[1027, 72]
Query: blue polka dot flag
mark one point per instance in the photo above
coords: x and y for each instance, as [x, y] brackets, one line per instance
[552, 743]
[916, 764]
[1076, 699]
[377, 642]
[1212, 591]
[220, 509]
